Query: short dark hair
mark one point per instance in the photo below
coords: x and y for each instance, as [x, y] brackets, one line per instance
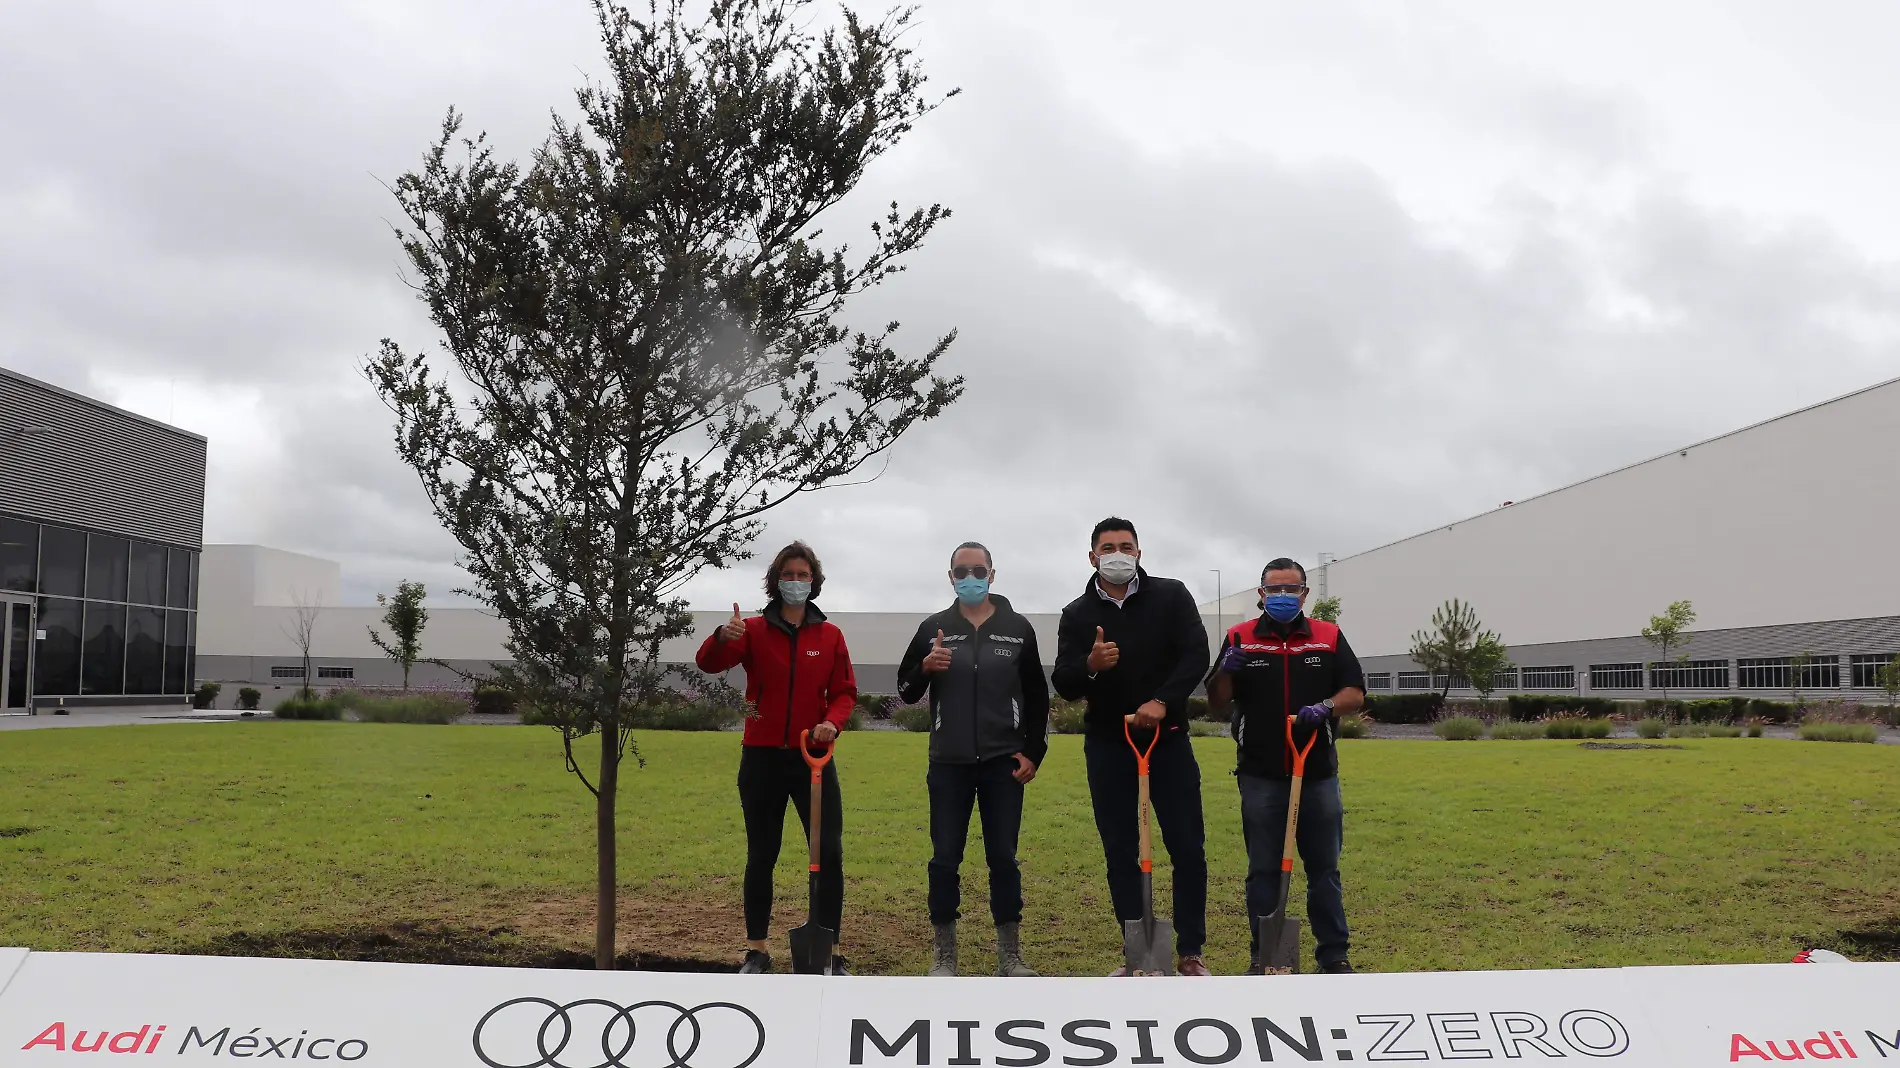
[1283, 563]
[797, 550]
[1112, 523]
[988, 560]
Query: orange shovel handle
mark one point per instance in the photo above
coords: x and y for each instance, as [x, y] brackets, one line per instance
[1299, 752]
[815, 763]
[1141, 755]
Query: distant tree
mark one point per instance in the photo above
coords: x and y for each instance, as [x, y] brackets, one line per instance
[1798, 676]
[1889, 679]
[1484, 662]
[1327, 608]
[645, 344]
[302, 630]
[1445, 648]
[1665, 632]
[405, 617]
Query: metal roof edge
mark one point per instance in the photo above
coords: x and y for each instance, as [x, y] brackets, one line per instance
[97, 403]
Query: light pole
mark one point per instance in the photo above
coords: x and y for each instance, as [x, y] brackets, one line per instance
[1220, 618]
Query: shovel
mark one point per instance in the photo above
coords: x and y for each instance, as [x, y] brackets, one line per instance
[812, 944]
[1147, 943]
[1279, 934]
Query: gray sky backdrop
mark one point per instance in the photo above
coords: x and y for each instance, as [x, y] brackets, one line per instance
[1263, 277]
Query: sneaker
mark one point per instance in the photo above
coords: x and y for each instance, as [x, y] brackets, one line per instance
[1255, 969]
[756, 963]
[1119, 972]
[1338, 967]
[837, 966]
[1192, 964]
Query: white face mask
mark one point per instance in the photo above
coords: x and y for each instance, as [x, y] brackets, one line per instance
[1116, 569]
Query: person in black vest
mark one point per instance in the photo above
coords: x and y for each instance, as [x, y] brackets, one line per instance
[989, 720]
[1134, 643]
[1279, 665]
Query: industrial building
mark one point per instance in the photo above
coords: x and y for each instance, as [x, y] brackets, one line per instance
[101, 523]
[1782, 535]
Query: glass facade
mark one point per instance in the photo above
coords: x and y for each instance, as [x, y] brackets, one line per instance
[119, 614]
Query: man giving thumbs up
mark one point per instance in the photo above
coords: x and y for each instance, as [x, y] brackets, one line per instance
[989, 713]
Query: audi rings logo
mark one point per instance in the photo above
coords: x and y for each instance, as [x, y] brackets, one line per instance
[592, 1033]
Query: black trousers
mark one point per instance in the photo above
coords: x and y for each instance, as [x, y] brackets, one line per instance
[1174, 787]
[767, 779]
[992, 788]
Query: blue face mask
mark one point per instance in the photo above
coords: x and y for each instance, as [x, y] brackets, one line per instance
[794, 592]
[1282, 607]
[971, 590]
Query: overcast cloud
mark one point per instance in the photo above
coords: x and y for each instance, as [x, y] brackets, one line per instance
[1265, 278]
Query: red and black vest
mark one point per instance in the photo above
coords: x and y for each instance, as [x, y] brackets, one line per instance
[1287, 668]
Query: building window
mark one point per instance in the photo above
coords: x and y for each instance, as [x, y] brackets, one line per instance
[144, 650]
[148, 574]
[178, 652]
[178, 578]
[1504, 680]
[103, 669]
[62, 563]
[1763, 673]
[1560, 677]
[1692, 675]
[1865, 668]
[278, 671]
[336, 673]
[1820, 672]
[106, 560]
[1415, 680]
[56, 666]
[1616, 676]
[19, 556]
[1379, 680]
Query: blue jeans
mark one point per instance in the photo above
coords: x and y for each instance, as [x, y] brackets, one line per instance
[1321, 834]
[992, 787]
[1174, 788]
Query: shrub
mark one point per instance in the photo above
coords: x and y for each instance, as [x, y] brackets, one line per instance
[1197, 708]
[855, 721]
[1839, 732]
[1201, 728]
[248, 698]
[1459, 728]
[1065, 717]
[1530, 706]
[877, 705]
[1716, 709]
[913, 718]
[491, 700]
[1576, 727]
[410, 708]
[1506, 730]
[1724, 730]
[1770, 711]
[1754, 729]
[206, 695]
[309, 707]
[1402, 707]
[1651, 728]
[1689, 730]
[686, 716]
[1354, 725]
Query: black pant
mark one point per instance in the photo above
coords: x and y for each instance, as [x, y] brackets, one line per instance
[1174, 787]
[992, 787]
[767, 777]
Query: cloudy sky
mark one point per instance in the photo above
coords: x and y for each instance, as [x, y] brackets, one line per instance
[1264, 277]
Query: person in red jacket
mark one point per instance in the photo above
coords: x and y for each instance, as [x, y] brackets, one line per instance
[797, 677]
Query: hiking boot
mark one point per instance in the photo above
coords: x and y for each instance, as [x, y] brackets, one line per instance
[943, 949]
[756, 963]
[1009, 952]
[1338, 967]
[837, 966]
[1191, 964]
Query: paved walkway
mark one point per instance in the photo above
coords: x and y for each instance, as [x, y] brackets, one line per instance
[116, 717]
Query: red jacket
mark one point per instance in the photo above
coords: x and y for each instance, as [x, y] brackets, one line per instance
[792, 679]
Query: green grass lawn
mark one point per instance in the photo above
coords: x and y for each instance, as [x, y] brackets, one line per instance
[1471, 855]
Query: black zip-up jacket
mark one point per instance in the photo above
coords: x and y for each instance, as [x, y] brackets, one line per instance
[1289, 666]
[1163, 646]
[993, 700]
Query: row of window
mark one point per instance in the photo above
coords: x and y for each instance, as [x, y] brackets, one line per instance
[1751, 673]
[281, 671]
[60, 562]
[92, 647]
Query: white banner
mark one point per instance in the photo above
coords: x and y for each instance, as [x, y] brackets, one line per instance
[202, 1010]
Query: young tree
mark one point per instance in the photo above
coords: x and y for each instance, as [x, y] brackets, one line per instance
[405, 617]
[1889, 679]
[1327, 608]
[302, 630]
[1798, 676]
[645, 350]
[1665, 632]
[1446, 647]
[1483, 663]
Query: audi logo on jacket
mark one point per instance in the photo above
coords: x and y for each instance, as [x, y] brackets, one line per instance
[1288, 667]
[794, 677]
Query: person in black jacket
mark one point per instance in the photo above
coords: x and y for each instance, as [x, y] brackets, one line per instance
[1134, 644]
[1278, 666]
[989, 718]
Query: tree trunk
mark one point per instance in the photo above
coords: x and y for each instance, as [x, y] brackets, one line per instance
[605, 885]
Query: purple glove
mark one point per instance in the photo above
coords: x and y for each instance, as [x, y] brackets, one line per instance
[1313, 716]
[1232, 659]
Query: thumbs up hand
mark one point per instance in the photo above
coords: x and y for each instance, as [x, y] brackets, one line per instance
[939, 659]
[1103, 654]
[734, 629]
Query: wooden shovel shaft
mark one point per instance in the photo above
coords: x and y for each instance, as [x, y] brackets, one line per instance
[1147, 848]
[1292, 825]
[817, 815]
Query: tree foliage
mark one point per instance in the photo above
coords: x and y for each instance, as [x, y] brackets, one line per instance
[1327, 608]
[1456, 645]
[644, 348]
[405, 617]
[1665, 632]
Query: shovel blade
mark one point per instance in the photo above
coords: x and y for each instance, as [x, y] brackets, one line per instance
[1279, 938]
[1148, 947]
[812, 947]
